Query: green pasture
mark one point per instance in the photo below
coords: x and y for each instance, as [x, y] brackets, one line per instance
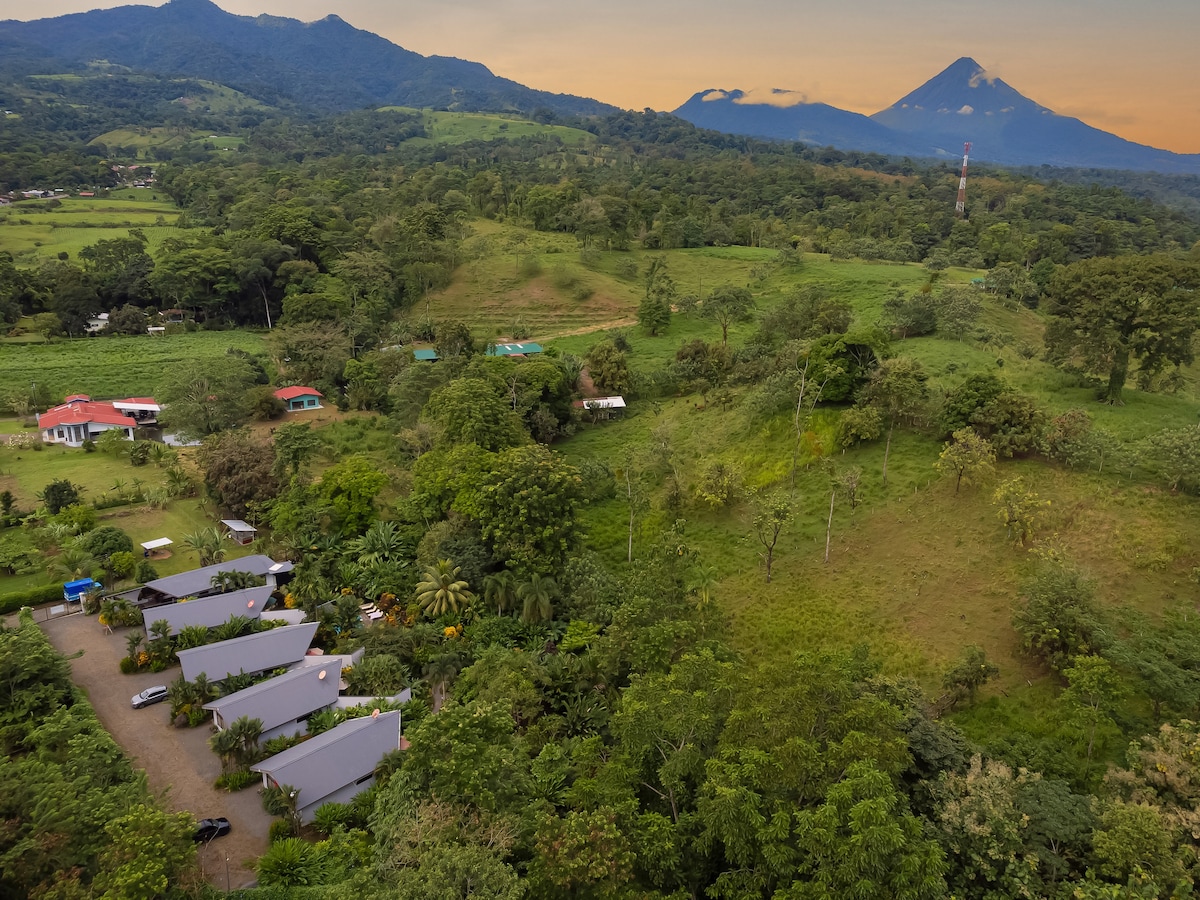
[459, 128]
[29, 230]
[113, 367]
[147, 140]
[915, 571]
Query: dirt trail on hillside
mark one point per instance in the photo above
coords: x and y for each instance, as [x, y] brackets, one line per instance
[602, 326]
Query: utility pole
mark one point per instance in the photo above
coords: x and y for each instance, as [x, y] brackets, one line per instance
[960, 205]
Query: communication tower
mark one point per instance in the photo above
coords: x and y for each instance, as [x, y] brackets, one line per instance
[960, 205]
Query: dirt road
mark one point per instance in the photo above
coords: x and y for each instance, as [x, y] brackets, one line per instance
[177, 761]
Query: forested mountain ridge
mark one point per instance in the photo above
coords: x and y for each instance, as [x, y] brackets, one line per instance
[326, 65]
[960, 104]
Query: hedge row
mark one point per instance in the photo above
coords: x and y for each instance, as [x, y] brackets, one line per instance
[31, 597]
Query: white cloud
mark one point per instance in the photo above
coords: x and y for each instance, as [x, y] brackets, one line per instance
[771, 97]
[966, 110]
[714, 95]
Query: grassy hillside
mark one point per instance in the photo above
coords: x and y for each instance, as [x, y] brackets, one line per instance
[915, 571]
[458, 128]
[30, 230]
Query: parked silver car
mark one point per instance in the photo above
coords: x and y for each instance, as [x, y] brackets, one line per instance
[150, 695]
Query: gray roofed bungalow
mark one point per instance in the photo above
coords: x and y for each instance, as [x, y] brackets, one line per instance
[280, 646]
[283, 703]
[336, 765]
[198, 582]
[211, 611]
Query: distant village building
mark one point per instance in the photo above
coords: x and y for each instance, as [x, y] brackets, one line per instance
[297, 397]
[599, 408]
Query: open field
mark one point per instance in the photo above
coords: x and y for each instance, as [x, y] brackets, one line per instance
[28, 230]
[113, 367]
[458, 128]
[148, 140]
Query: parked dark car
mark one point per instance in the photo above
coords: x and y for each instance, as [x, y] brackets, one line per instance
[211, 828]
[150, 695]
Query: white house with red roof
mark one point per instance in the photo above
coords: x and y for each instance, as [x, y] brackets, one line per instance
[298, 397]
[80, 418]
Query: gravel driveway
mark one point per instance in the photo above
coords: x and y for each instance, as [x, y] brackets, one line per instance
[177, 761]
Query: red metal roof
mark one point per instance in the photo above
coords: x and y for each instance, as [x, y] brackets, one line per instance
[291, 393]
[143, 400]
[82, 411]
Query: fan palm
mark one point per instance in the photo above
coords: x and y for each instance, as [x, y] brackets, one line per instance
[441, 591]
[538, 595]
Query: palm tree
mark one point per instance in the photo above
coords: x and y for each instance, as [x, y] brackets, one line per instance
[73, 564]
[439, 672]
[234, 581]
[246, 732]
[500, 590]
[161, 454]
[133, 641]
[538, 594]
[179, 482]
[441, 591]
[208, 543]
[225, 744]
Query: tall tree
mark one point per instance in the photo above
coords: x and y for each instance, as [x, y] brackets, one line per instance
[203, 396]
[727, 305]
[1110, 313]
[897, 389]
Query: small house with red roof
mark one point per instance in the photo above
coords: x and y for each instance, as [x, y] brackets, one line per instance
[297, 397]
[79, 418]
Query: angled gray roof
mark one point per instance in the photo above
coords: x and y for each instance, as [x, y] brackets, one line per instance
[211, 611]
[283, 698]
[197, 580]
[279, 646]
[330, 761]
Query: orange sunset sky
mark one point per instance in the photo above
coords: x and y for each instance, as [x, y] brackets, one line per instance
[1127, 66]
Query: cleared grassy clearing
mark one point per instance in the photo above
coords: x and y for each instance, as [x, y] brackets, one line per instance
[112, 367]
[458, 128]
[29, 231]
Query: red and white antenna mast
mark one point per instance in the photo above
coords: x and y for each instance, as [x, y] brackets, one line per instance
[960, 205]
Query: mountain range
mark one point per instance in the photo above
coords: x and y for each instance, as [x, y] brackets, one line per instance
[326, 65]
[330, 66]
[960, 104]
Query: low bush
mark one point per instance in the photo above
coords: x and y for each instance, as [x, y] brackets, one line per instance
[280, 830]
[13, 601]
[236, 781]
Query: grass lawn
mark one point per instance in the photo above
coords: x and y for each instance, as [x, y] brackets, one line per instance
[26, 473]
